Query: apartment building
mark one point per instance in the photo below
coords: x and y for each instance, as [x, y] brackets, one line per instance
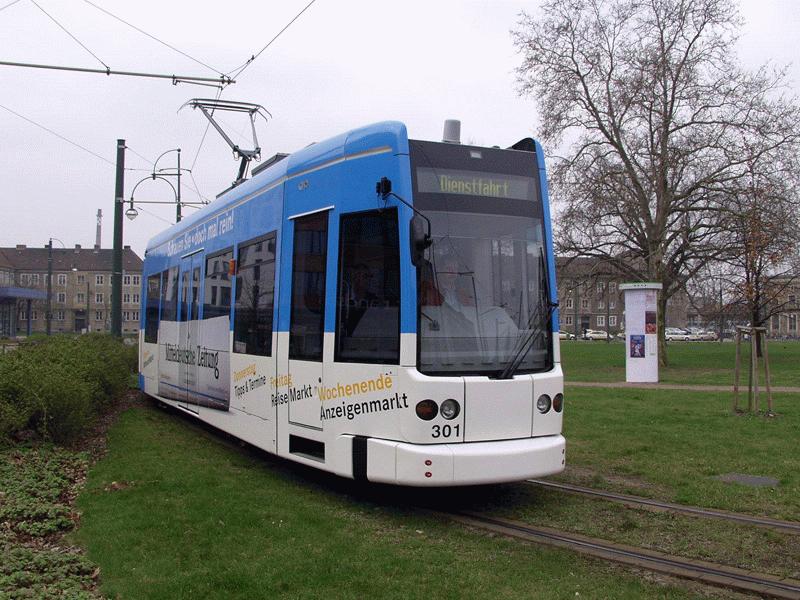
[589, 297]
[80, 293]
[784, 322]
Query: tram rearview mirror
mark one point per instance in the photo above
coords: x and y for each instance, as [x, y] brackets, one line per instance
[384, 187]
[420, 240]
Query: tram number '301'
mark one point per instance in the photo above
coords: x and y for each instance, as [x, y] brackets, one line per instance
[445, 431]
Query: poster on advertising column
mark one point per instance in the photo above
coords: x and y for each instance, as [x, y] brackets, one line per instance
[641, 332]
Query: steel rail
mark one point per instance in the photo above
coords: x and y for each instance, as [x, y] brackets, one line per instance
[695, 570]
[766, 522]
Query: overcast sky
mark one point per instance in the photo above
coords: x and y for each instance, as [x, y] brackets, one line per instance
[342, 64]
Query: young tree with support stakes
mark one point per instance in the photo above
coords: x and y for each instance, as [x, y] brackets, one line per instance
[652, 107]
[764, 236]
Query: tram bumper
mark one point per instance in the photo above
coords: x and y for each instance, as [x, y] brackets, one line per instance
[468, 463]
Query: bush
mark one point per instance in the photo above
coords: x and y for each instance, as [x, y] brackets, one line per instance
[56, 386]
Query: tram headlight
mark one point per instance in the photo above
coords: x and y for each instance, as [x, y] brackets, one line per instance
[558, 402]
[450, 409]
[427, 410]
[543, 403]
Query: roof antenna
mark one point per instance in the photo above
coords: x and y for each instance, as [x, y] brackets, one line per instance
[210, 105]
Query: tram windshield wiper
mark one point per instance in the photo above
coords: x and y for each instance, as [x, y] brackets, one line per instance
[537, 325]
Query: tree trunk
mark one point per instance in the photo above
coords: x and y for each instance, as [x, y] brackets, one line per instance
[663, 360]
[755, 321]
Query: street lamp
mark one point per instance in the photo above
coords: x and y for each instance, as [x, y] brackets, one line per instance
[177, 174]
[162, 174]
[49, 311]
[131, 211]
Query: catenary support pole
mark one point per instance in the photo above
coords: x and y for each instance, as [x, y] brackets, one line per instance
[116, 272]
[49, 314]
[178, 214]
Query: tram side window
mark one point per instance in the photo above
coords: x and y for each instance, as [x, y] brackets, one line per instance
[308, 287]
[169, 295]
[255, 297]
[217, 292]
[368, 306]
[151, 308]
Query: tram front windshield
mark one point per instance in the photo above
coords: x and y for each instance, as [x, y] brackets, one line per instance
[482, 286]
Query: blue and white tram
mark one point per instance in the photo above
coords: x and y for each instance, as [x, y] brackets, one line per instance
[377, 307]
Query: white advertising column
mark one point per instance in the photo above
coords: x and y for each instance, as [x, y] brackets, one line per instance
[641, 332]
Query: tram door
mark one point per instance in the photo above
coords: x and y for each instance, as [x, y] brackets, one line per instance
[307, 318]
[188, 331]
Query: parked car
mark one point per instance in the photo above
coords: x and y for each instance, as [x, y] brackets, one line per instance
[594, 334]
[566, 335]
[676, 334]
[708, 336]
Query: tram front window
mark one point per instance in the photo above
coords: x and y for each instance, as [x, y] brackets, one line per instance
[483, 305]
[482, 296]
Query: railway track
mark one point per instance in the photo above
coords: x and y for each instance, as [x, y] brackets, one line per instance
[695, 570]
[774, 524]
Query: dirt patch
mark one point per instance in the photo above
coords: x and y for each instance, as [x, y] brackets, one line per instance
[613, 482]
[116, 486]
[95, 440]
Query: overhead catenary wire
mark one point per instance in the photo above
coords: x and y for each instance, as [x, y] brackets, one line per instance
[77, 145]
[249, 61]
[196, 188]
[144, 210]
[69, 141]
[65, 30]
[152, 37]
[144, 158]
[105, 160]
[220, 81]
[58, 135]
[2, 8]
[205, 133]
[193, 188]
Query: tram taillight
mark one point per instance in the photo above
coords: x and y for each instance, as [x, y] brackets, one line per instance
[427, 410]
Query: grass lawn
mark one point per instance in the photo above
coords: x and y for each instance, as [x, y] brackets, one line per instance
[175, 512]
[671, 444]
[703, 363]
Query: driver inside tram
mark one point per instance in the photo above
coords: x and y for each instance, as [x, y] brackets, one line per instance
[453, 308]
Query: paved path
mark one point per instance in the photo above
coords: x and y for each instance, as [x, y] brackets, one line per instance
[677, 386]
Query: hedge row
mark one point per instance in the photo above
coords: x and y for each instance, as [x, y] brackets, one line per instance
[57, 386]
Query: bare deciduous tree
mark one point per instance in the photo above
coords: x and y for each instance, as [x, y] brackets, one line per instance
[653, 107]
[764, 236]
